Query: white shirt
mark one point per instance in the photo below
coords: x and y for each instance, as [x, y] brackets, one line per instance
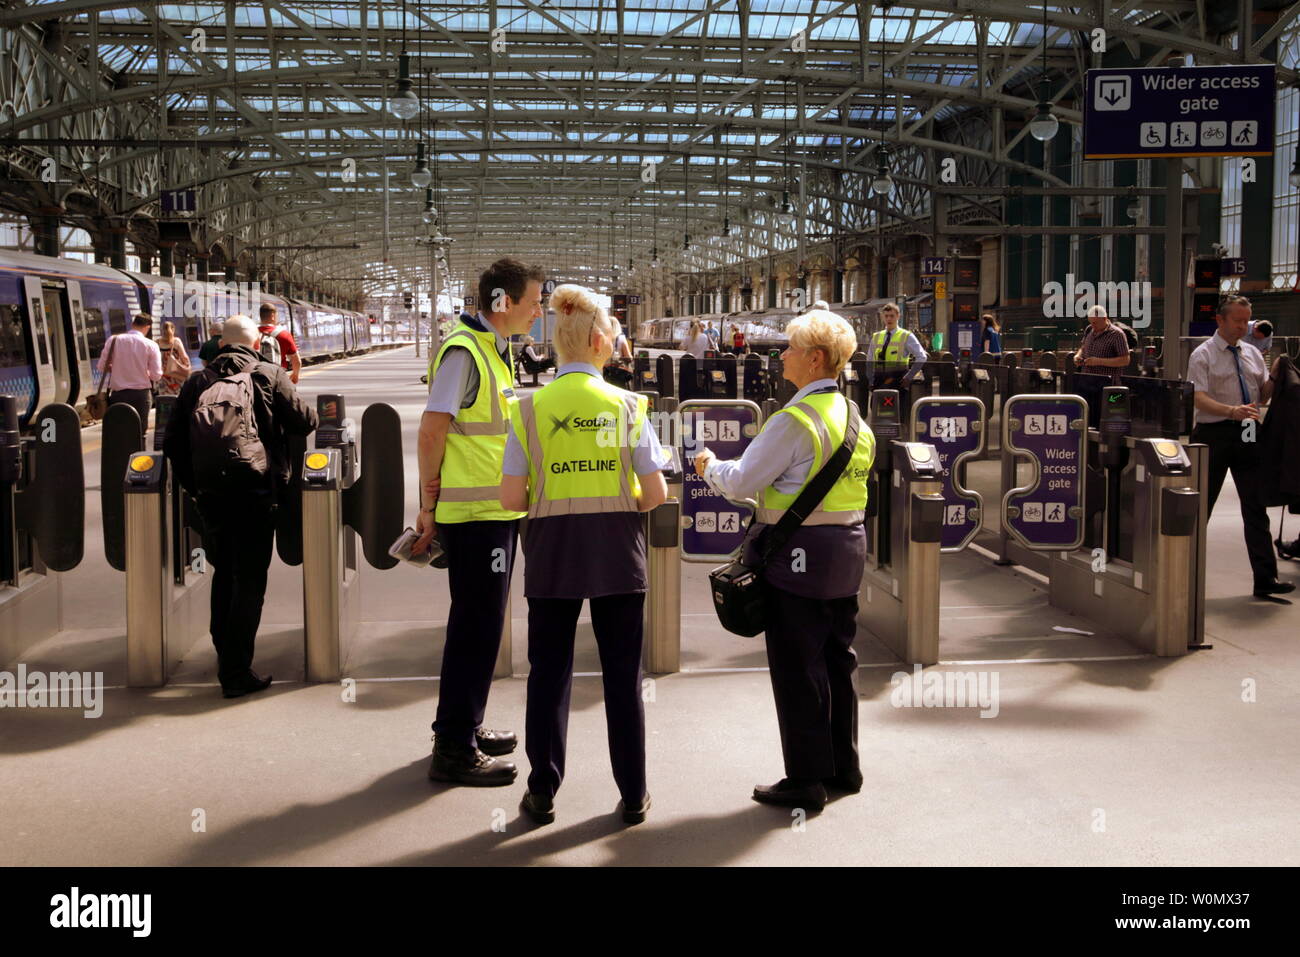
[1211, 370]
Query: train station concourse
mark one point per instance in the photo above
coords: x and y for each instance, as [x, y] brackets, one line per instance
[654, 433]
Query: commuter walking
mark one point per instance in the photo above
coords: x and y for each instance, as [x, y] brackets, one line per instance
[812, 580]
[132, 363]
[891, 349]
[175, 361]
[990, 334]
[696, 342]
[1104, 349]
[462, 439]
[1231, 383]
[227, 442]
[278, 346]
[584, 483]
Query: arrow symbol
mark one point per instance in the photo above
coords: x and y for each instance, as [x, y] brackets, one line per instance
[1112, 100]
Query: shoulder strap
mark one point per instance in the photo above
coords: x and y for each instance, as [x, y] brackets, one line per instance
[816, 490]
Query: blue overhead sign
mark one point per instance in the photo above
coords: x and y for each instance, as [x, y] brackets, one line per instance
[1148, 112]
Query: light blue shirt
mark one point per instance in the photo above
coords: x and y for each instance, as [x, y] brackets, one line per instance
[1263, 345]
[455, 384]
[781, 455]
[911, 345]
[648, 456]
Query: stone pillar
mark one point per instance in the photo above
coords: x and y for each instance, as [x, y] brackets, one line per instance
[167, 259]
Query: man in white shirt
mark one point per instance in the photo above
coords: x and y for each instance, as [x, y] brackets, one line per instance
[136, 366]
[1230, 383]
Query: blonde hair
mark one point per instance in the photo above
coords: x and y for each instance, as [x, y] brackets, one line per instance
[577, 314]
[695, 330]
[822, 329]
[822, 304]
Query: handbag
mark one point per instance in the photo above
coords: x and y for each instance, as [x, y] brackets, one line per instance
[739, 590]
[97, 402]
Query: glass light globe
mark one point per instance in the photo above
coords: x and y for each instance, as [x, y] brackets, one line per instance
[882, 184]
[404, 104]
[1044, 124]
[430, 216]
[420, 176]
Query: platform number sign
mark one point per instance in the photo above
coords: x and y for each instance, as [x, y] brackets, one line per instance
[179, 202]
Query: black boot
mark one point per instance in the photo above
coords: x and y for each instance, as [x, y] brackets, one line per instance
[469, 766]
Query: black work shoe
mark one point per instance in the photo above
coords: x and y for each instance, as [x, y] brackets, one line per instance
[634, 813]
[250, 683]
[470, 766]
[540, 809]
[1288, 550]
[1275, 587]
[787, 793]
[850, 781]
[495, 742]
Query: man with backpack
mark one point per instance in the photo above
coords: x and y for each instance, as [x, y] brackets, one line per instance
[278, 347]
[226, 441]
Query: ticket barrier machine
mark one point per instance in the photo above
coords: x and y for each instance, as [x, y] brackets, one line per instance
[662, 653]
[168, 585]
[42, 520]
[898, 600]
[1141, 569]
[720, 375]
[336, 506]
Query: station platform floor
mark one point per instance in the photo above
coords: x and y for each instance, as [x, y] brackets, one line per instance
[1097, 754]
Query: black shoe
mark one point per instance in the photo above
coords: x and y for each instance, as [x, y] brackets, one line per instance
[249, 684]
[1275, 587]
[470, 766]
[787, 793]
[495, 742]
[540, 809]
[1288, 550]
[634, 813]
[849, 781]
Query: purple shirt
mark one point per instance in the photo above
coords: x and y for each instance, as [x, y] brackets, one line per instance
[137, 361]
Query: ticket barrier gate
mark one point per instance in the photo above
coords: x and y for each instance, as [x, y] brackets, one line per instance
[898, 600]
[756, 383]
[1141, 569]
[42, 520]
[720, 375]
[662, 653]
[168, 585]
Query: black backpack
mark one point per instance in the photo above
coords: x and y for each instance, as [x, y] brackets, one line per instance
[225, 447]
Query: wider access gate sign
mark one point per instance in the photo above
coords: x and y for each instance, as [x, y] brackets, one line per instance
[712, 527]
[1052, 432]
[954, 425]
[1151, 112]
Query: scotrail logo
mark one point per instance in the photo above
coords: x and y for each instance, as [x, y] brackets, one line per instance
[57, 689]
[1130, 301]
[187, 297]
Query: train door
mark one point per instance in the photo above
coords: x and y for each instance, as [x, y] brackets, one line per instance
[60, 344]
[82, 378]
[38, 330]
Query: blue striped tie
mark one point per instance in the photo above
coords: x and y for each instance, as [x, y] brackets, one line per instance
[1241, 381]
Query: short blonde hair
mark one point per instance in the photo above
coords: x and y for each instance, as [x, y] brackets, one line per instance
[577, 314]
[822, 329]
[1098, 310]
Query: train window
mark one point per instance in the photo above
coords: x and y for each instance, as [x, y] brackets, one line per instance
[117, 321]
[95, 337]
[12, 350]
[192, 337]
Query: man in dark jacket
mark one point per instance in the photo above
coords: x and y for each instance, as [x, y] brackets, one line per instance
[239, 519]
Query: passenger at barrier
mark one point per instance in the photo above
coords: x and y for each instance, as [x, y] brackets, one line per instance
[1230, 384]
[175, 361]
[738, 345]
[697, 341]
[462, 439]
[227, 441]
[131, 363]
[813, 581]
[278, 347]
[1104, 348]
[618, 370]
[1260, 334]
[990, 334]
[583, 460]
[890, 349]
[533, 361]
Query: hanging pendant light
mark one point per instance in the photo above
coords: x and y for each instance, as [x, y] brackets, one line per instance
[882, 184]
[1044, 124]
[404, 104]
[430, 215]
[420, 176]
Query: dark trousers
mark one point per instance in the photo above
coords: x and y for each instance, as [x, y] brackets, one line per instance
[616, 619]
[479, 577]
[814, 681]
[1229, 453]
[238, 534]
[140, 399]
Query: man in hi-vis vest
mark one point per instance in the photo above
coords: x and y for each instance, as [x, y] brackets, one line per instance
[461, 445]
[889, 352]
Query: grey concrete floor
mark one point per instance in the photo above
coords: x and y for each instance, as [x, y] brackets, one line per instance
[1097, 755]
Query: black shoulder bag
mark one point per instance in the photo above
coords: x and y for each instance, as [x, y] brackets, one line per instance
[739, 591]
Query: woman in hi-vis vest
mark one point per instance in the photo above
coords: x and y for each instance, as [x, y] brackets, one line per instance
[812, 582]
[584, 461]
